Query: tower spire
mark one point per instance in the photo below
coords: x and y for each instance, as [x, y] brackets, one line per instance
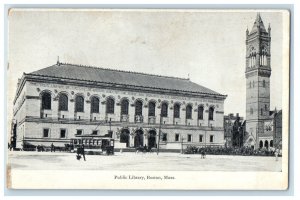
[58, 63]
[258, 18]
[258, 25]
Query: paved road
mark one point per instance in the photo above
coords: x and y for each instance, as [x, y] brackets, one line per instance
[142, 162]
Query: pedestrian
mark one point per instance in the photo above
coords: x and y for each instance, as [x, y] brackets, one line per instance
[203, 154]
[52, 147]
[82, 151]
[276, 154]
[78, 157]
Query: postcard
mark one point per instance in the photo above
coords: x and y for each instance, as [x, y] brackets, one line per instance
[155, 99]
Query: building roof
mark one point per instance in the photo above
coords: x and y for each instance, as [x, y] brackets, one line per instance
[258, 24]
[79, 72]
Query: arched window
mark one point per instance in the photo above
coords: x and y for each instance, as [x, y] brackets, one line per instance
[271, 143]
[110, 105]
[266, 107]
[261, 111]
[138, 108]
[79, 104]
[63, 102]
[211, 113]
[200, 112]
[263, 60]
[176, 110]
[188, 112]
[151, 111]
[124, 107]
[46, 101]
[164, 109]
[261, 144]
[95, 105]
[250, 84]
[264, 83]
[266, 144]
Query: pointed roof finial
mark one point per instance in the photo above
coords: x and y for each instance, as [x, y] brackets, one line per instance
[58, 63]
[258, 25]
[258, 18]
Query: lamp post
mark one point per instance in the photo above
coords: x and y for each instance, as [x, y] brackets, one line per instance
[205, 138]
[257, 140]
[110, 133]
[159, 133]
[181, 138]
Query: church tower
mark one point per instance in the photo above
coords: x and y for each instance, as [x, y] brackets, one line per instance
[258, 72]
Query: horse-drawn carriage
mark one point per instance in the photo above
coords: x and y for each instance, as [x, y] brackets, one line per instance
[93, 144]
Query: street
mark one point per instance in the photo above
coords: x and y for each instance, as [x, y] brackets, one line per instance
[141, 162]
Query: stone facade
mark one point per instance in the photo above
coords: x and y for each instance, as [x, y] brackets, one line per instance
[39, 122]
[234, 130]
[261, 126]
[258, 72]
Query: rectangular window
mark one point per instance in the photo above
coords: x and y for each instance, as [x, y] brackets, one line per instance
[211, 138]
[176, 137]
[165, 137]
[63, 133]
[95, 133]
[46, 132]
[79, 132]
[200, 138]
[189, 138]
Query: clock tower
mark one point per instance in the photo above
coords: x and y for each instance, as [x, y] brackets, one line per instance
[258, 73]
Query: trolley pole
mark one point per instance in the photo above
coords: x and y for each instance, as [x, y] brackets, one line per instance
[181, 138]
[159, 133]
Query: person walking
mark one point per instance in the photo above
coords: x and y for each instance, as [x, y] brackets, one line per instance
[276, 154]
[203, 154]
[82, 152]
[78, 156]
[52, 147]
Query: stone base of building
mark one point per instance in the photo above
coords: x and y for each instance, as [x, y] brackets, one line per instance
[126, 135]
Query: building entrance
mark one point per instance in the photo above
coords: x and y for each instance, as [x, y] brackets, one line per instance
[152, 139]
[124, 137]
[139, 138]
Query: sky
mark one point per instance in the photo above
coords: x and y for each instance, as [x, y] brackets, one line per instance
[208, 47]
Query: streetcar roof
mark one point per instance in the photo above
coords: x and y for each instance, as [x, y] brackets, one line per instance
[91, 137]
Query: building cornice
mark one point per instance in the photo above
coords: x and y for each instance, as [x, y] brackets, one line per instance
[113, 86]
[120, 124]
[260, 71]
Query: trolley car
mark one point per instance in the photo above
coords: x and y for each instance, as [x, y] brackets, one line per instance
[93, 144]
